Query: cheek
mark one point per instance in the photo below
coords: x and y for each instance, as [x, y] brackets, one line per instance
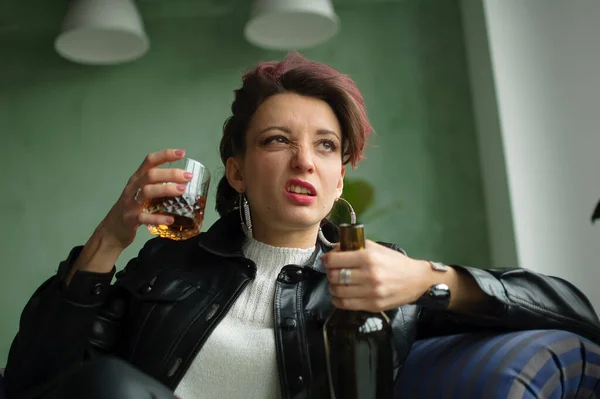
[263, 172]
[331, 182]
[255, 165]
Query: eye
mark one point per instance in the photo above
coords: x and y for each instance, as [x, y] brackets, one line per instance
[277, 139]
[328, 145]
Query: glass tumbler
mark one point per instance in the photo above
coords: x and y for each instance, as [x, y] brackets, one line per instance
[187, 209]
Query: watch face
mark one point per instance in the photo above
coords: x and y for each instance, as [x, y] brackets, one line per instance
[439, 266]
[436, 297]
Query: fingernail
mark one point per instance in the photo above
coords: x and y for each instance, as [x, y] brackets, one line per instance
[181, 187]
[170, 220]
[188, 175]
[179, 153]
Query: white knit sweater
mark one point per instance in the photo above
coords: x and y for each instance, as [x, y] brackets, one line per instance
[239, 360]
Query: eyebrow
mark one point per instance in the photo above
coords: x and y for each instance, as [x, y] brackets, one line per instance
[328, 132]
[286, 130]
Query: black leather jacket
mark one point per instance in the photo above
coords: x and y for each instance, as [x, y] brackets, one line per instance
[166, 302]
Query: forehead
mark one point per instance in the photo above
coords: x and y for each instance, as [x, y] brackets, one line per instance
[295, 110]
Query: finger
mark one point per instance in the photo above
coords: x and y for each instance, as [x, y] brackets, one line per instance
[155, 219]
[349, 291]
[356, 304]
[165, 175]
[155, 159]
[357, 276]
[351, 259]
[343, 259]
[151, 191]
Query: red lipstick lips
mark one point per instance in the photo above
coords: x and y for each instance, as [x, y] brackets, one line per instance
[300, 192]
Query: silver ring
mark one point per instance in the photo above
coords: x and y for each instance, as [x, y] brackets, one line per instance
[345, 276]
[136, 195]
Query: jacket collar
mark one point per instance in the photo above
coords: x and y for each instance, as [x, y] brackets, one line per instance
[226, 238]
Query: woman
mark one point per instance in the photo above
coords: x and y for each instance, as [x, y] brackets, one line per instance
[238, 311]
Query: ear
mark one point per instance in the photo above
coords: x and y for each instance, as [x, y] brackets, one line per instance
[234, 174]
[340, 185]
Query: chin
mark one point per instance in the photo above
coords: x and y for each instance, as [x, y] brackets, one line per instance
[302, 217]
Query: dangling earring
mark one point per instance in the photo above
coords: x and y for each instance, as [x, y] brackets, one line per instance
[352, 220]
[245, 215]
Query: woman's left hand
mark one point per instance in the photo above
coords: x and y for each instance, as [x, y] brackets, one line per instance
[380, 278]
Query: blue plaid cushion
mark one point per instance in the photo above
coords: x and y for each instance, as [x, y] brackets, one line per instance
[526, 364]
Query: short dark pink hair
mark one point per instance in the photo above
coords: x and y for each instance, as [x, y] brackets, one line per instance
[302, 76]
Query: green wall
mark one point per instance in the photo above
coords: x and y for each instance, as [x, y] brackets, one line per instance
[72, 135]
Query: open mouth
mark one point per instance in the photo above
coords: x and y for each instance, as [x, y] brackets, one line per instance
[302, 190]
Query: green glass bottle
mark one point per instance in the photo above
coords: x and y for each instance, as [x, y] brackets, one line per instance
[358, 344]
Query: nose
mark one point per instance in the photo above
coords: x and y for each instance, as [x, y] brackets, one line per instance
[302, 159]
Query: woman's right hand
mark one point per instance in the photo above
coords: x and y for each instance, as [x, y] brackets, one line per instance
[120, 225]
[117, 231]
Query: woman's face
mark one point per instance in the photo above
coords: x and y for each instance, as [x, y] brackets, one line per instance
[292, 171]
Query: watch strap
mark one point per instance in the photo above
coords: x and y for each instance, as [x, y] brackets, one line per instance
[438, 266]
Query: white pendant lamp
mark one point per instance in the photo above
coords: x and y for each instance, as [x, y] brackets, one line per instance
[291, 24]
[102, 32]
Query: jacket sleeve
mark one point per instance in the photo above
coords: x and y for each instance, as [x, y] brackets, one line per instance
[56, 329]
[519, 299]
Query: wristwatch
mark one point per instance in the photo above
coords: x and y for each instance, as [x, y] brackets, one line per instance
[438, 295]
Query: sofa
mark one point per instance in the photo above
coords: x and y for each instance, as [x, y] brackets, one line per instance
[526, 364]
[515, 365]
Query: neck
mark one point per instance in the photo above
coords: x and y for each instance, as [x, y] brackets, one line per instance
[286, 238]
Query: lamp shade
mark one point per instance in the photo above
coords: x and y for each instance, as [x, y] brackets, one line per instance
[102, 32]
[291, 24]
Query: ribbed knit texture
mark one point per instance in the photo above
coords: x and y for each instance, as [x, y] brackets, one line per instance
[239, 359]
